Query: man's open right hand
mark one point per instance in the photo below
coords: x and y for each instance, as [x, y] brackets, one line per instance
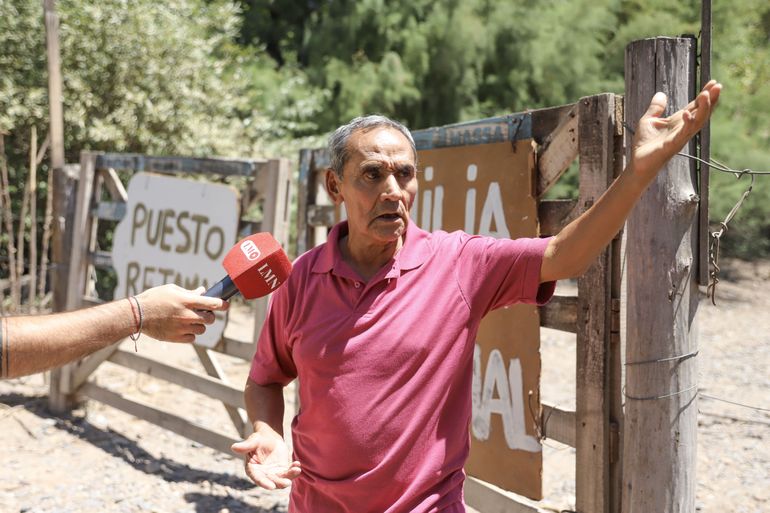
[267, 459]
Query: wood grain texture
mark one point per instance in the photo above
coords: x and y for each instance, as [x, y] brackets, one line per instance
[160, 418]
[488, 498]
[559, 150]
[560, 314]
[555, 215]
[596, 128]
[660, 432]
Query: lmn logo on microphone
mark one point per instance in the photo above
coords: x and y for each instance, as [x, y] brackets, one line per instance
[250, 250]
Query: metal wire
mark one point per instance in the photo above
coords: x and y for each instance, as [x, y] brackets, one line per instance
[716, 237]
[757, 408]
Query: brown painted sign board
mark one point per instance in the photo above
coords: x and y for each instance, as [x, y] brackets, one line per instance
[488, 189]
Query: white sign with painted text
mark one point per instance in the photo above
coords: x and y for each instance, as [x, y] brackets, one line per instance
[175, 231]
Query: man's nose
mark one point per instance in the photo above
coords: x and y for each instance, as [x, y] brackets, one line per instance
[391, 189]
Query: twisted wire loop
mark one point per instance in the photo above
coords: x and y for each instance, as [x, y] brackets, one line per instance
[536, 419]
[716, 237]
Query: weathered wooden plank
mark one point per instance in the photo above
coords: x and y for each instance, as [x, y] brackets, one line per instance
[560, 314]
[55, 96]
[659, 452]
[114, 185]
[512, 127]
[172, 165]
[277, 194]
[92, 301]
[208, 386]
[559, 150]
[488, 498]
[213, 369]
[536, 124]
[617, 332]
[615, 360]
[276, 184]
[160, 418]
[236, 348]
[101, 259]
[88, 365]
[303, 199]
[545, 121]
[321, 160]
[320, 215]
[65, 183]
[559, 425]
[596, 134]
[554, 215]
[81, 239]
[109, 210]
[62, 384]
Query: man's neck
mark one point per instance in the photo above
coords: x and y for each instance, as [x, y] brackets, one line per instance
[368, 259]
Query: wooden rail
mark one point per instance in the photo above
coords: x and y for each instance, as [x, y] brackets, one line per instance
[270, 186]
[144, 411]
[590, 129]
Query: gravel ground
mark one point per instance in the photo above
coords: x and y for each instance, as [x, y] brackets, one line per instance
[99, 459]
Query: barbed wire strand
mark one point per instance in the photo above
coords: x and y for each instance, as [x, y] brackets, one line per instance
[716, 236]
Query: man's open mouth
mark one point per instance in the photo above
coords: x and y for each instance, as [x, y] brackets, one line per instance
[389, 217]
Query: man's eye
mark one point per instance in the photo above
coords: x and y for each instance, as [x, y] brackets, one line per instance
[406, 173]
[372, 174]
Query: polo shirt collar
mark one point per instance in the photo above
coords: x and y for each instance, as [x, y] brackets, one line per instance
[413, 253]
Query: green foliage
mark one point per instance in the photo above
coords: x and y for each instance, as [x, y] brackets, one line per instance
[267, 77]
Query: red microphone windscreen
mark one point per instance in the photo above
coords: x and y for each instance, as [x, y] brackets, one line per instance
[257, 265]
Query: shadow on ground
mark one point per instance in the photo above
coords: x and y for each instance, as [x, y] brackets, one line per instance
[119, 446]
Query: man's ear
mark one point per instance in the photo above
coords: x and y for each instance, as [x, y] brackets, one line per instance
[333, 186]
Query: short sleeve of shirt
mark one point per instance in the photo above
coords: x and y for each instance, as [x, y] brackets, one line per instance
[273, 362]
[493, 273]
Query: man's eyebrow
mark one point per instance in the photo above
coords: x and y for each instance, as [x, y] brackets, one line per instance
[371, 166]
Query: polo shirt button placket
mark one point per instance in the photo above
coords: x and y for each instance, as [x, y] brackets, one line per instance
[357, 284]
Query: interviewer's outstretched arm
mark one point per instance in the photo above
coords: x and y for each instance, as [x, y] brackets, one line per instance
[40, 342]
[656, 140]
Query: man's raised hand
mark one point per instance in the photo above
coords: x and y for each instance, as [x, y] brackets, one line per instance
[658, 139]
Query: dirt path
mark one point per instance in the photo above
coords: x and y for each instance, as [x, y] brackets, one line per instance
[101, 460]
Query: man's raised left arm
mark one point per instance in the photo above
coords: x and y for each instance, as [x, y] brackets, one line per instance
[657, 139]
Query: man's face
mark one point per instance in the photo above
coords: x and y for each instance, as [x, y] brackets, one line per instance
[378, 185]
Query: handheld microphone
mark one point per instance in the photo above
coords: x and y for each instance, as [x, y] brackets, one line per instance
[255, 267]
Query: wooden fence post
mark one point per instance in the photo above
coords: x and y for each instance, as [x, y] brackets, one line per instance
[596, 129]
[62, 186]
[61, 396]
[661, 344]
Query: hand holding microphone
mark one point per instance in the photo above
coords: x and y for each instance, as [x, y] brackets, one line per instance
[255, 266]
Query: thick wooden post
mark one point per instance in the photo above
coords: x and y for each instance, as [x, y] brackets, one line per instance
[594, 454]
[661, 344]
[61, 396]
[62, 183]
[276, 183]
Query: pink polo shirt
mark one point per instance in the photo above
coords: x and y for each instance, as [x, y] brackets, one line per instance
[385, 367]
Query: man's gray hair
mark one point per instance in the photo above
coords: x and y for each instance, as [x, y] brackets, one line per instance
[338, 141]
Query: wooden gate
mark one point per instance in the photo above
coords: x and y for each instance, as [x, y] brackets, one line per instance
[267, 184]
[592, 131]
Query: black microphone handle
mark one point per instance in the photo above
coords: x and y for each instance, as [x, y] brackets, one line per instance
[223, 289]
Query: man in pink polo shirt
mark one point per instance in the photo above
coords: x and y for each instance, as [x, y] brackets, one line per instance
[379, 324]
